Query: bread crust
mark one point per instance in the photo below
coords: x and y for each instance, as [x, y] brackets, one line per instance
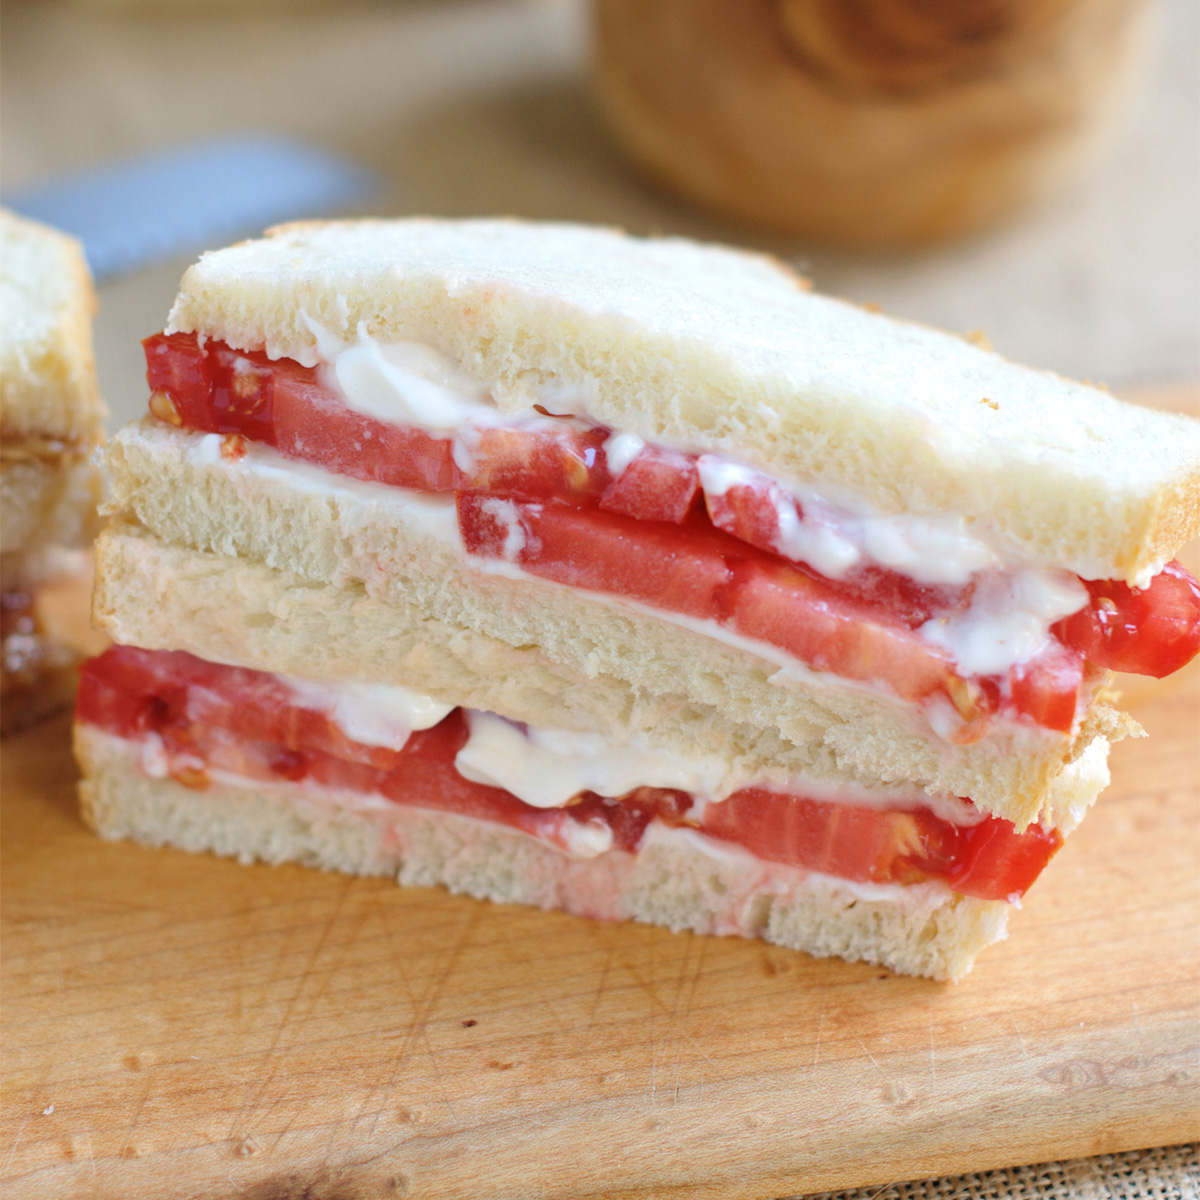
[676, 882]
[712, 349]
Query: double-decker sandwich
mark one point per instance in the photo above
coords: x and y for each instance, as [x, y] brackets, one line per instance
[622, 576]
[50, 421]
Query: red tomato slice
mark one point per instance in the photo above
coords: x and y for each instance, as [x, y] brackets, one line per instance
[994, 862]
[1046, 689]
[750, 511]
[784, 607]
[211, 716]
[313, 427]
[1148, 631]
[652, 563]
[988, 860]
[658, 485]
[535, 464]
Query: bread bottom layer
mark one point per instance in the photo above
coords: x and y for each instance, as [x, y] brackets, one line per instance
[678, 878]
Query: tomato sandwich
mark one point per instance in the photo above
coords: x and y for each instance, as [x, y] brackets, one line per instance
[624, 576]
[50, 421]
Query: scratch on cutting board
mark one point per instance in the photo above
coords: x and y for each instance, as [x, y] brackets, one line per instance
[418, 1027]
[932, 1058]
[264, 1076]
[817, 1045]
[16, 1143]
[602, 982]
[1020, 1037]
[87, 1133]
[137, 1114]
[1137, 1026]
[872, 1057]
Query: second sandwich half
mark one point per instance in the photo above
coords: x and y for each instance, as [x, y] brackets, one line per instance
[626, 577]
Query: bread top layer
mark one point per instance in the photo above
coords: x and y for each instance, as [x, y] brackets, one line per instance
[48, 388]
[717, 350]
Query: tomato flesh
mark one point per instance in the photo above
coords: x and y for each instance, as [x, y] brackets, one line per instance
[537, 464]
[214, 717]
[659, 484]
[989, 860]
[1046, 688]
[602, 552]
[1147, 631]
[781, 606]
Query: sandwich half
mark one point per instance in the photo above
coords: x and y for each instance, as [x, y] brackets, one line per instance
[623, 576]
[50, 421]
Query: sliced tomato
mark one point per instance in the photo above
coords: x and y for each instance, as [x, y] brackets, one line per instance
[601, 552]
[994, 862]
[988, 860]
[751, 510]
[213, 388]
[211, 716]
[784, 607]
[313, 427]
[1147, 631]
[658, 485]
[1046, 688]
[179, 368]
[537, 464]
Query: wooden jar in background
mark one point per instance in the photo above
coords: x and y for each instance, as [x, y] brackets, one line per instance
[869, 122]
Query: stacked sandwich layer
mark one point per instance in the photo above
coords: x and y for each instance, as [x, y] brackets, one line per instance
[626, 577]
[50, 421]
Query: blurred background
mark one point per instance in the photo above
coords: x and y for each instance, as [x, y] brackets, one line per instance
[1071, 235]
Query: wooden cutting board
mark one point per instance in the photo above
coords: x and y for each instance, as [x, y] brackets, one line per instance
[183, 1026]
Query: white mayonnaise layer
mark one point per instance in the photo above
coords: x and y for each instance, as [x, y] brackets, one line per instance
[546, 768]
[374, 714]
[401, 383]
[1008, 620]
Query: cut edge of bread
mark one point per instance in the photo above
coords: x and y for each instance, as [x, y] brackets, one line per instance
[681, 882]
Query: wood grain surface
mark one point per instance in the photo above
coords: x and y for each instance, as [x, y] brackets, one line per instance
[183, 1026]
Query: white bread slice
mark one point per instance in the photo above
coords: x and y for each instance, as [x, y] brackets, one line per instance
[554, 660]
[710, 348]
[48, 386]
[47, 501]
[682, 882]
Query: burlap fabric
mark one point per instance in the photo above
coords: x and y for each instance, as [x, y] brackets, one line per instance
[1165, 1173]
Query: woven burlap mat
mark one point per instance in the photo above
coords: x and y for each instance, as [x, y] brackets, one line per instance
[1164, 1173]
